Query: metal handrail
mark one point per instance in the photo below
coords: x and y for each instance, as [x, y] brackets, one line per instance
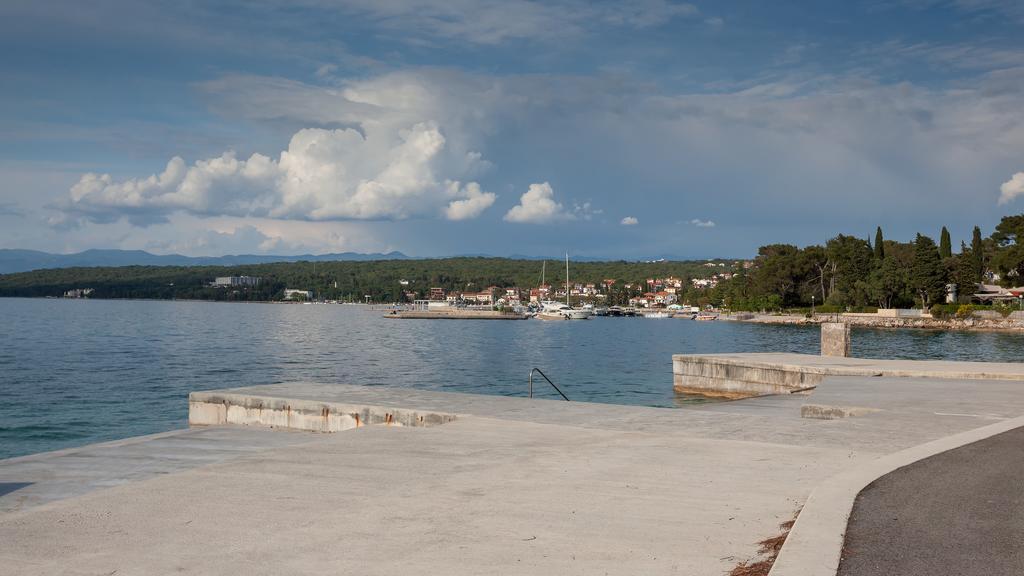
[539, 371]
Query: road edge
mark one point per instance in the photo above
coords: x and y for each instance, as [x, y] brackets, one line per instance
[815, 544]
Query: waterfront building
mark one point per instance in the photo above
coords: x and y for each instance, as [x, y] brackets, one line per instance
[236, 281]
[78, 293]
[291, 294]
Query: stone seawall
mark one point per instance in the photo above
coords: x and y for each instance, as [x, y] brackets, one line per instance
[761, 374]
[1014, 322]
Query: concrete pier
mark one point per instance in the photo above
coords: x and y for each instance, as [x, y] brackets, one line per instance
[509, 486]
[758, 374]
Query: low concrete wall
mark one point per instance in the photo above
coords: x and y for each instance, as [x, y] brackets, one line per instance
[714, 376]
[760, 374]
[218, 408]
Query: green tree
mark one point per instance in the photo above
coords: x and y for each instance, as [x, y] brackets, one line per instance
[927, 275]
[887, 282]
[945, 247]
[978, 254]
[778, 274]
[879, 245]
[966, 279]
[852, 260]
[1009, 244]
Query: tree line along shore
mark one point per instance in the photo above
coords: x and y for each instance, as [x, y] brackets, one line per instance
[376, 281]
[846, 274]
[851, 274]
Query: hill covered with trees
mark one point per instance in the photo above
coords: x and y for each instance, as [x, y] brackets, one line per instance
[851, 272]
[382, 280]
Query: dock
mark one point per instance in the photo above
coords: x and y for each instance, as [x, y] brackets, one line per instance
[454, 314]
[757, 374]
[399, 479]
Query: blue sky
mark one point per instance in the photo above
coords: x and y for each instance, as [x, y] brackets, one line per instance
[435, 127]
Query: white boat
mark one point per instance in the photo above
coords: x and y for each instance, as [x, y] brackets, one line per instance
[657, 314]
[558, 311]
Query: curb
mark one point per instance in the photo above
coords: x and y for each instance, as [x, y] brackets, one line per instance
[815, 543]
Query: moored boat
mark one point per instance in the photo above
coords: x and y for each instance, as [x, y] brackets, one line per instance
[556, 311]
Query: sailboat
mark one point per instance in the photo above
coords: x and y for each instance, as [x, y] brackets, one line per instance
[559, 311]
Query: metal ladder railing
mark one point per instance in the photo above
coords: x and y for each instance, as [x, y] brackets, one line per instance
[557, 389]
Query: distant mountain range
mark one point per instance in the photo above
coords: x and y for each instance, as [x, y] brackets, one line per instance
[12, 260]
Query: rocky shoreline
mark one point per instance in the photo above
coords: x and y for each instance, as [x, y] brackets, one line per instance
[1012, 323]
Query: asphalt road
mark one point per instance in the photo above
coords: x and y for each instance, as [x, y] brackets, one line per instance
[959, 513]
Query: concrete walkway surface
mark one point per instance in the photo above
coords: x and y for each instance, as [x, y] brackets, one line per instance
[512, 486]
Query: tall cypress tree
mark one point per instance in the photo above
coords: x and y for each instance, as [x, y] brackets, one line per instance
[945, 245]
[879, 245]
[978, 254]
[965, 279]
[927, 276]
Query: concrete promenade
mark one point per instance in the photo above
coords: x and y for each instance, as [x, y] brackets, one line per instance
[508, 486]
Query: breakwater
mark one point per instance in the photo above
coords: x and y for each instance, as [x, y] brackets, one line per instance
[759, 374]
[984, 321]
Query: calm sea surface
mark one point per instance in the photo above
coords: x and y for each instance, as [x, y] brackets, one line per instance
[78, 371]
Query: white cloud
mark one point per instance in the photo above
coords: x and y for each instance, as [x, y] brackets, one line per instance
[702, 223]
[323, 175]
[474, 203]
[629, 221]
[838, 143]
[1012, 188]
[538, 206]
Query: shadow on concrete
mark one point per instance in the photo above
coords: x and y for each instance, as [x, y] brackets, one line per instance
[8, 487]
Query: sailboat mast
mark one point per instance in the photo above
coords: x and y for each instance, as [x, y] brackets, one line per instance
[566, 278]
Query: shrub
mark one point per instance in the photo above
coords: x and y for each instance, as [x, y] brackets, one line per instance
[964, 311]
[941, 311]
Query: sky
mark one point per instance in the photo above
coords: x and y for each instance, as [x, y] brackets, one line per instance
[630, 129]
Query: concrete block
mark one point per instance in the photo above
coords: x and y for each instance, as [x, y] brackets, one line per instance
[835, 339]
[218, 408]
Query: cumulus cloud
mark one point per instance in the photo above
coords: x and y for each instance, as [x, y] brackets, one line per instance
[702, 223]
[1012, 188]
[538, 206]
[474, 201]
[340, 174]
[629, 221]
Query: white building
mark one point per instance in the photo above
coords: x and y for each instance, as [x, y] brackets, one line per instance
[290, 294]
[226, 281]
